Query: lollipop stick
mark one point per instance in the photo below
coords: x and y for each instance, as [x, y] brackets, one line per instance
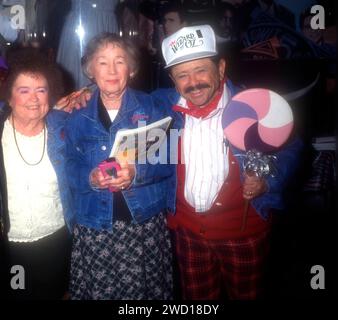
[245, 214]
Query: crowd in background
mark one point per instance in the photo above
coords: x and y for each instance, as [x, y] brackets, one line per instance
[248, 29]
[271, 38]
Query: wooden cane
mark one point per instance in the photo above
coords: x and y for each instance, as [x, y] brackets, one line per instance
[246, 203]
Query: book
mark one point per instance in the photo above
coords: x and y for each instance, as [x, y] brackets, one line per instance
[140, 143]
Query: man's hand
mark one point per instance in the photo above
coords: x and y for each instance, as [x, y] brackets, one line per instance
[253, 187]
[75, 100]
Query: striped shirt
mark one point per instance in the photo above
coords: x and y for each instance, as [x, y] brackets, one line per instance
[205, 156]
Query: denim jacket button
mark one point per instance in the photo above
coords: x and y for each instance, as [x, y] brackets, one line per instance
[103, 148]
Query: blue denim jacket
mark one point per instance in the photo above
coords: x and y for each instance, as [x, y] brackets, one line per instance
[89, 143]
[56, 149]
[286, 164]
[55, 121]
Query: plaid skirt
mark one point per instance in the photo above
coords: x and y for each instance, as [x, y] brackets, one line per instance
[130, 262]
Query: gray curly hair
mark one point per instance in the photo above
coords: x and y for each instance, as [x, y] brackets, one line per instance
[103, 39]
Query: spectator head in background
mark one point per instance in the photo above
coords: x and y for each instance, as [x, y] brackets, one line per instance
[173, 18]
[226, 22]
[147, 26]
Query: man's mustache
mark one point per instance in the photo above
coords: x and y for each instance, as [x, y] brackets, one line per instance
[197, 87]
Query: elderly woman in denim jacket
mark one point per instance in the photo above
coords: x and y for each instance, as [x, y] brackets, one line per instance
[34, 192]
[121, 246]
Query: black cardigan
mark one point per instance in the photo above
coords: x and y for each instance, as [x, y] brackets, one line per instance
[4, 216]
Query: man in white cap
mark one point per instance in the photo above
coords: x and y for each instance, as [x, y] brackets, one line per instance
[216, 249]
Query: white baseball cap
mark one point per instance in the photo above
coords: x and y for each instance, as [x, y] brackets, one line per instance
[189, 43]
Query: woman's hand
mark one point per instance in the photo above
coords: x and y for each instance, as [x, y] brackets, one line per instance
[97, 179]
[125, 176]
[253, 187]
[123, 180]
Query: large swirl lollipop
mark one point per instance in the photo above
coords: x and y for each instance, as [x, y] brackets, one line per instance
[257, 121]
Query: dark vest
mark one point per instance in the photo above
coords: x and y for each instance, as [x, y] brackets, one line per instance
[4, 216]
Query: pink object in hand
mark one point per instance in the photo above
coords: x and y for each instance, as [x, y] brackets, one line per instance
[109, 168]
